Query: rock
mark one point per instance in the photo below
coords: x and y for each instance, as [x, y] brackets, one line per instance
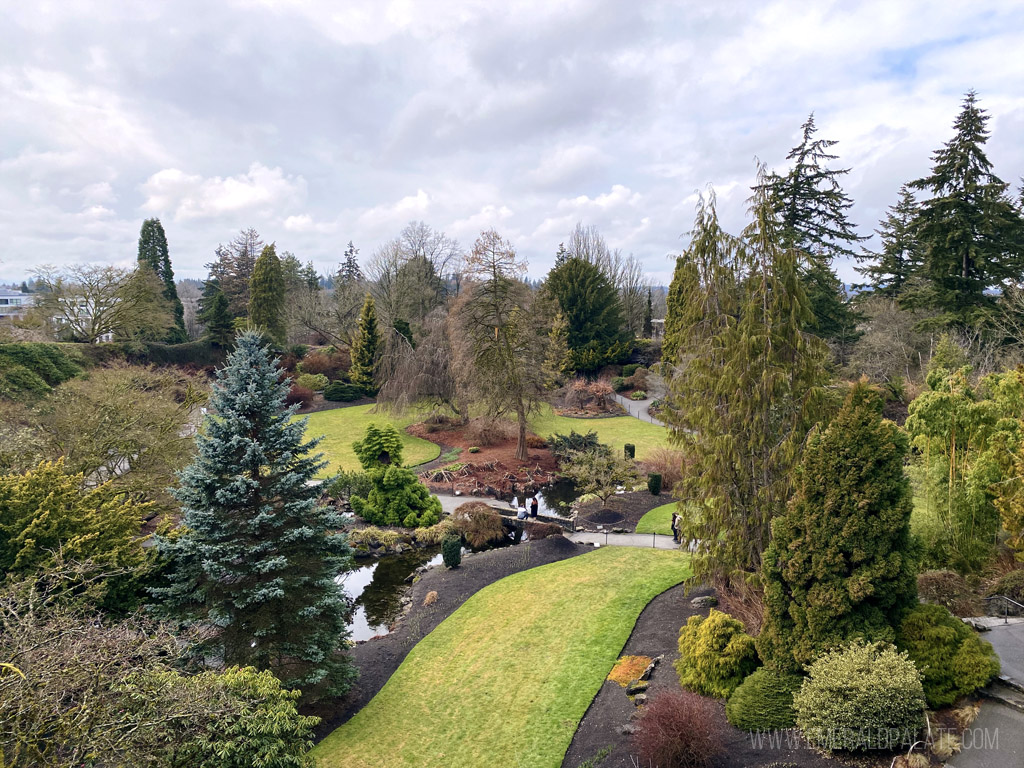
[636, 686]
[708, 601]
[410, 577]
[640, 699]
[618, 530]
[650, 669]
[627, 730]
[635, 714]
[399, 549]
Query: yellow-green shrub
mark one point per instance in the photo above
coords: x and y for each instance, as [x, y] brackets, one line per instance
[715, 654]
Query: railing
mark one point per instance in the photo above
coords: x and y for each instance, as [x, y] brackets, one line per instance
[1007, 602]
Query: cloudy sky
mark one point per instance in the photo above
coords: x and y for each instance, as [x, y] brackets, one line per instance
[324, 121]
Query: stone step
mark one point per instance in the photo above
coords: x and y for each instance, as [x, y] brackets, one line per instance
[1005, 692]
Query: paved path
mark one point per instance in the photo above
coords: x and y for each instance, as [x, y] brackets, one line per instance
[1008, 641]
[994, 740]
[638, 409]
[642, 540]
[449, 503]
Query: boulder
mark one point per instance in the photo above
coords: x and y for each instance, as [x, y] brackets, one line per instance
[636, 686]
[708, 601]
[640, 699]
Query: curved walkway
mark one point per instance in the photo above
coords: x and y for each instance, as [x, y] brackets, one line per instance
[638, 409]
[609, 539]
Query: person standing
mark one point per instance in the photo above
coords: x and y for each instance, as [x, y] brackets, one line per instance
[675, 527]
[534, 504]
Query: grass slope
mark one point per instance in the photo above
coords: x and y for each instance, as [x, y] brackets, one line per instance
[615, 431]
[341, 426]
[658, 520]
[505, 680]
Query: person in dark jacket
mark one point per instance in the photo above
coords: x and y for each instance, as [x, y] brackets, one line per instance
[534, 504]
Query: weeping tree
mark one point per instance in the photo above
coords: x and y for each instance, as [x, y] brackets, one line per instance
[748, 387]
[500, 357]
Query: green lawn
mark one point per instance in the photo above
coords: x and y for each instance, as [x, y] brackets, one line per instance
[505, 680]
[615, 431]
[658, 520]
[341, 426]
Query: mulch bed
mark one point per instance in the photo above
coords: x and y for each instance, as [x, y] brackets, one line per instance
[320, 404]
[378, 659]
[622, 511]
[656, 633]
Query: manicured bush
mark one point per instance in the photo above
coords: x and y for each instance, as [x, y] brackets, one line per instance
[862, 696]
[952, 659]
[630, 451]
[679, 728]
[950, 590]
[451, 551]
[764, 701]
[396, 497]
[715, 654]
[315, 381]
[654, 483]
[339, 391]
[638, 380]
[638, 395]
[302, 396]
[618, 383]
[479, 524]
[629, 369]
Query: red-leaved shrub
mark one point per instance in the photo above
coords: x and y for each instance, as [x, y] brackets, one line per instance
[301, 395]
[537, 530]
[679, 729]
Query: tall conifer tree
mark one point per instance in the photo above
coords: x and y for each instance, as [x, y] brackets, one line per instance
[899, 261]
[256, 559]
[267, 295]
[154, 254]
[970, 230]
[363, 372]
[841, 564]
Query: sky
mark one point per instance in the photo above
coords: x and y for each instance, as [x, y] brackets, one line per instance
[318, 122]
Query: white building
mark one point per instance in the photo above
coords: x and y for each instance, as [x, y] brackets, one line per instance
[14, 303]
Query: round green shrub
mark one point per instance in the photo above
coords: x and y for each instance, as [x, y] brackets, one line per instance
[315, 381]
[474, 449]
[629, 369]
[764, 701]
[715, 654]
[859, 697]
[638, 395]
[654, 484]
[952, 659]
[618, 383]
[339, 391]
[451, 551]
[630, 451]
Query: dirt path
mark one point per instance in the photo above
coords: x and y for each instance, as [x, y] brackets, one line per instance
[378, 659]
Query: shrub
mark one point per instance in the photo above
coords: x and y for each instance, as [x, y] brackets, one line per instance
[474, 449]
[638, 380]
[315, 381]
[1011, 585]
[630, 450]
[345, 485]
[536, 530]
[397, 497]
[638, 395]
[489, 431]
[715, 654]
[371, 536]
[564, 445]
[339, 391]
[536, 442]
[301, 396]
[667, 463]
[479, 524]
[654, 484]
[629, 369]
[950, 590]
[862, 696]
[618, 383]
[628, 668]
[435, 534]
[952, 659]
[679, 729]
[299, 351]
[28, 369]
[451, 551]
[764, 701]
[332, 365]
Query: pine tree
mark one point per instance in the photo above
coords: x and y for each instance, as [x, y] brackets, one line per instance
[267, 295]
[363, 372]
[749, 387]
[219, 325]
[153, 253]
[648, 329]
[970, 231]
[812, 209]
[349, 271]
[841, 564]
[233, 269]
[557, 361]
[561, 255]
[900, 259]
[256, 558]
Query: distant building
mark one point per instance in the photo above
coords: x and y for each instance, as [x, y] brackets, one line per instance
[657, 328]
[14, 303]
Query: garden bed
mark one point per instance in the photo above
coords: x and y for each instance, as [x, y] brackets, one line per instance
[623, 511]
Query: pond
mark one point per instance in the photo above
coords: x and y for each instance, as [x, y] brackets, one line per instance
[554, 499]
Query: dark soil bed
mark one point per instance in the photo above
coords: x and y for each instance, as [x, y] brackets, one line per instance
[625, 510]
[656, 633]
[378, 659]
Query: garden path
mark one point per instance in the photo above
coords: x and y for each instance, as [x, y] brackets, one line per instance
[640, 540]
[639, 409]
[994, 740]
[1008, 642]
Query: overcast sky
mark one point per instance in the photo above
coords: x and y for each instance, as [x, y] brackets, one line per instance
[324, 121]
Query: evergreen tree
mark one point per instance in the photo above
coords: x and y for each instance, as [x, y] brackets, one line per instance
[841, 564]
[648, 329]
[24, 287]
[970, 231]
[749, 388]
[593, 309]
[233, 269]
[363, 372]
[561, 255]
[256, 558]
[153, 253]
[267, 295]
[675, 309]
[349, 271]
[219, 325]
[812, 209]
[557, 361]
[900, 259]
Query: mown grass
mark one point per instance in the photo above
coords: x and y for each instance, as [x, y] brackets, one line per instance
[505, 680]
[658, 520]
[341, 426]
[615, 431]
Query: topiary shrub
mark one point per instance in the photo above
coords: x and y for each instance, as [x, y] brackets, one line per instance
[950, 590]
[339, 391]
[396, 496]
[630, 451]
[638, 395]
[952, 659]
[618, 383]
[451, 551]
[764, 701]
[715, 654]
[654, 484]
[859, 697]
[315, 381]
[679, 729]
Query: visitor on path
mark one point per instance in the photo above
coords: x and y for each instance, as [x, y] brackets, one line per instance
[520, 512]
[675, 527]
[534, 504]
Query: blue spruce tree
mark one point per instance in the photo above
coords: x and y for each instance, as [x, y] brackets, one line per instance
[255, 561]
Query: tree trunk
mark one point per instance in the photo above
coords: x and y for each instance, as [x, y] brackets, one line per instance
[521, 444]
